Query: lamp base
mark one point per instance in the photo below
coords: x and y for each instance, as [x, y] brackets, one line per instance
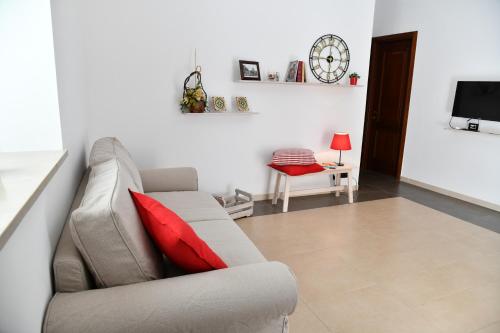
[340, 160]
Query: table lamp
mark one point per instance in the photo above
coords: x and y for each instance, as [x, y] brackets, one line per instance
[340, 142]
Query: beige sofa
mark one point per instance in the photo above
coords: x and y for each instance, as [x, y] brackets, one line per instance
[109, 277]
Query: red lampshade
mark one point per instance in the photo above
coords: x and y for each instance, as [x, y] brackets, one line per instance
[341, 141]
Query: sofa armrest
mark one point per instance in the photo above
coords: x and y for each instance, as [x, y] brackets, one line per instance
[237, 299]
[169, 179]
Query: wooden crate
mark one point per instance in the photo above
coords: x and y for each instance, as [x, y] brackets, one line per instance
[237, 206]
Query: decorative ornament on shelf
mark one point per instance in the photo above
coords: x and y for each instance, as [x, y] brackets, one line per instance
[242, 104]
[329, 58]
[219, 103]
[194, 99]
[353, 78]
[273, 76]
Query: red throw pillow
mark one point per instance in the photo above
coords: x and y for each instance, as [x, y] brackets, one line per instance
[297, 170]
[175, 238]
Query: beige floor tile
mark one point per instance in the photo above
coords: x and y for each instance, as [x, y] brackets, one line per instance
[439, 255]
[273, 249]
[370, 310]
[426, 287]
[385, 266]
[303, 320]
[322, 274]
[466, 311]
[492, 328]
[488, 244]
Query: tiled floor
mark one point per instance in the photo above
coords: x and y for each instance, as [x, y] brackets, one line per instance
[383, 266]
[373, 186]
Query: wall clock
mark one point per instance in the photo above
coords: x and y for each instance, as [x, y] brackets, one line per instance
[329, 58]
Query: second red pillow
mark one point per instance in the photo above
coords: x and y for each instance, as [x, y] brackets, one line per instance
[174, 237]
[298, 170]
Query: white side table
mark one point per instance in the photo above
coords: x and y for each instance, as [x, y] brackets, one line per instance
[337, 187]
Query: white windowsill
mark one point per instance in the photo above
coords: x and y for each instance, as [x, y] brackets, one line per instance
[23, 176]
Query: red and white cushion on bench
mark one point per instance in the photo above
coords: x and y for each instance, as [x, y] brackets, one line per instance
[293, 156]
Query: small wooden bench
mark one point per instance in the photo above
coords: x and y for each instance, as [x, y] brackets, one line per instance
[335, 187]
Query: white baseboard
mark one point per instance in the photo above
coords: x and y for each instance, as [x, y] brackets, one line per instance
[452, 194]
[269, 196]
[262, 197]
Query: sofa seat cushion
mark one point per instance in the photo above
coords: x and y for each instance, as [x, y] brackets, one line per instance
[106, 149]
[192, 206]
[227, 240]
[108, 232]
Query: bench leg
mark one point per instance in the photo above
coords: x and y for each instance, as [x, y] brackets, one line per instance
[349, 186]
[287, 194]
[338, 181]
[277, 188]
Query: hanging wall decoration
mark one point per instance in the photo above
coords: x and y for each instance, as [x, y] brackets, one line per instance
[194, 99]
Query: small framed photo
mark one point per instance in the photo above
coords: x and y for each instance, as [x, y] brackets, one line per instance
[242, 104]
[219, 103]
[291, 73]
[249, 70]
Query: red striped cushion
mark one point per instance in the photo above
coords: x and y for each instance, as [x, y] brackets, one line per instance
[293, 156]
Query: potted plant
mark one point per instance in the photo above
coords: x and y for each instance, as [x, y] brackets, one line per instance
[353, 78]
[194, 100]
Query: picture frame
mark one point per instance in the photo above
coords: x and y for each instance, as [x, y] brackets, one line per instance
[242, 104]
[291, 73]
[219, 104]
[249, 70]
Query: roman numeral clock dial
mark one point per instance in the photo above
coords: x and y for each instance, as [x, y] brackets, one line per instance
[329, 58]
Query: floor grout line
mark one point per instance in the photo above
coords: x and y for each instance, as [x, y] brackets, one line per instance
[486, 326]
[317, 316]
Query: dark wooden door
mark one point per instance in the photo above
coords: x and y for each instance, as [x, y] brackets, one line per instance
[389, 87]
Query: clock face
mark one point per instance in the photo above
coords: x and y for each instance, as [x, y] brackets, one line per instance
[329, 58]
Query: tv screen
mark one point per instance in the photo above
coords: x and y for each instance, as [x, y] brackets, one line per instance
[477, 100]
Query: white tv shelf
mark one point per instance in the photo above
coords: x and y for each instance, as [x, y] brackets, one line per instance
[283, 83]
[472, 132]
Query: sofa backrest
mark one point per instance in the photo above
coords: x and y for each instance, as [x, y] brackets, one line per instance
[108, 232]
[70, 271]
[108, 148]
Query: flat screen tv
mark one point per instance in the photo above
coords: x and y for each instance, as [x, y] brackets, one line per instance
[477, 100]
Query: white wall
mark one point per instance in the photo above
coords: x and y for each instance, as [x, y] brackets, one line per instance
[138, 54]
[26, 259]
[457, 40]
[29, 112]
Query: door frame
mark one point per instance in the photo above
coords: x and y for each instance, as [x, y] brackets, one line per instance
[412, 36]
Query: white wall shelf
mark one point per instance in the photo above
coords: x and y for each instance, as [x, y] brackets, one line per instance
[227, 113]
[472, 132]
[282, 83]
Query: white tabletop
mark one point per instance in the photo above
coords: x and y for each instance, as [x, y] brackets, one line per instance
[23, 176]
